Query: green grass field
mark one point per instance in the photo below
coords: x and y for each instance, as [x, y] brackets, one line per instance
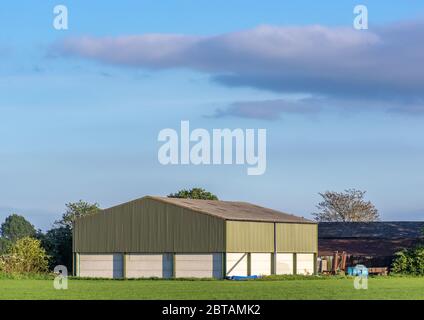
[378, 288]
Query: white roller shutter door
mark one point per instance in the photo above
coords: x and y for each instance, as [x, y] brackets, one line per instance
[149, 265]
[207, 265]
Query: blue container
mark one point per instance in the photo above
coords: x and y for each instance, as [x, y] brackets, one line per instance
[241, 278]
[358, 270]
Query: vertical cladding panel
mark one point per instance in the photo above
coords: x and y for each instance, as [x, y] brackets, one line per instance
[110, 225]
[206, 231]
[284, 263]
[148, 225]
[136, 236]
[243, 236]
[236, 264]
[119, 229]
[297, 237]
[260, 264]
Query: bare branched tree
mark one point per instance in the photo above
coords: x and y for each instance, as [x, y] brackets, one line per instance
[348, 206]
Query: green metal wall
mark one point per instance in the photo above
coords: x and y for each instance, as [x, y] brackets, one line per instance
[148, 225]
[244, 236]
[297, 237]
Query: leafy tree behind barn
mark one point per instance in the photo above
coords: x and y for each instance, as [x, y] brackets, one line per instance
[194, 193]
[58, 241]
[58, 244]
[75, 210]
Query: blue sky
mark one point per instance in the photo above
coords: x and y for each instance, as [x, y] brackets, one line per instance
[80, 109]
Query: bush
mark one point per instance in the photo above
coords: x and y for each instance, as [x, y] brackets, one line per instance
[410, 261]
[25, 256]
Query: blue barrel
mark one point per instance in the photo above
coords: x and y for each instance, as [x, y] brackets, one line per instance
[358, 270]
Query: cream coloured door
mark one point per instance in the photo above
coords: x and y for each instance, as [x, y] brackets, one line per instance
[203, 265]
[148, 265]
[100, 265]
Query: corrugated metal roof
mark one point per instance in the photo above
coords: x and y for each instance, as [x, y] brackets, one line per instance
[231, 210]
[379, 230]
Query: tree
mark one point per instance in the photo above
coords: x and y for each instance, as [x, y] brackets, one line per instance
[348, 206]
[194, 193]
[25, 256]
[58, 244]
[4, 245]
[58, 240]
[16, 227]
[75, 210]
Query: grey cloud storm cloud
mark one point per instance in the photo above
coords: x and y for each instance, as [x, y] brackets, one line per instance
[384, 63]
[268, 109]
[274, 109]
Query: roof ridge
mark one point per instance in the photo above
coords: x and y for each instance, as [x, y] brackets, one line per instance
[226, 210]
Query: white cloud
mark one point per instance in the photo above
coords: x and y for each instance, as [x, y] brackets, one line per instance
[382, 64]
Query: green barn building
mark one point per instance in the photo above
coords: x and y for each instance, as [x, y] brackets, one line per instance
[169, 237]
